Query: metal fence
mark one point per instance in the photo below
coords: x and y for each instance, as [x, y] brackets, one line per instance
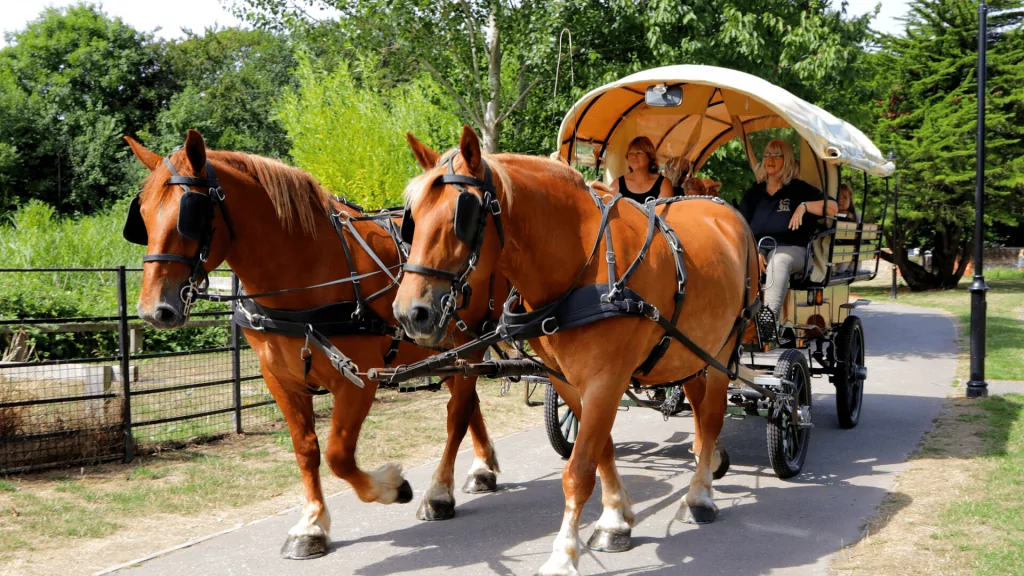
[104, 387]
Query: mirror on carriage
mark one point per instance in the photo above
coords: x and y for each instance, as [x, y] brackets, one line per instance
[664, 96]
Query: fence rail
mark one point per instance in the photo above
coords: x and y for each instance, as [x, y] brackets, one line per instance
[118, 399]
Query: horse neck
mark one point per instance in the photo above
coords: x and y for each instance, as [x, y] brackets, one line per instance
[550, 231]
[267, 257]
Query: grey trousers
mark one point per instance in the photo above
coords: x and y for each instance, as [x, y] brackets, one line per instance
[783, 262]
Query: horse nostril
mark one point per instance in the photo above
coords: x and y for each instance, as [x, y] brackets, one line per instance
[165, 315]
[420, 315]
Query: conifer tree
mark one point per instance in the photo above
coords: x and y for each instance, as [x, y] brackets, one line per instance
[929, 118]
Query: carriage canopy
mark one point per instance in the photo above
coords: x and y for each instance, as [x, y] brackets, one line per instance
[718, 104]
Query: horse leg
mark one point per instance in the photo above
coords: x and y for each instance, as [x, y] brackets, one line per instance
[483, 475]
[308, 538]
[439, 500]
[613, 528]
[699, 501]
[384, 485]
[579, 476]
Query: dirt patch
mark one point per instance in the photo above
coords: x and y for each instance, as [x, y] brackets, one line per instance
[98, 517]
[902, 538]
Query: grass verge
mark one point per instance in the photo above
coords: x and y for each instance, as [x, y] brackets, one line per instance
[959, 508]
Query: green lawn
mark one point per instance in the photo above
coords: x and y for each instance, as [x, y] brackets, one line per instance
[1005, 322]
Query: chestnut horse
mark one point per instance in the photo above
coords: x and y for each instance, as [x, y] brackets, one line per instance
[279, 236]
[550, 222]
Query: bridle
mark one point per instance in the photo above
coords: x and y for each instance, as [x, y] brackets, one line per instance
[470, 222]
[196, 213]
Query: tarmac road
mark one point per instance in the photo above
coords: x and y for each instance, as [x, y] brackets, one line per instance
[766, 525]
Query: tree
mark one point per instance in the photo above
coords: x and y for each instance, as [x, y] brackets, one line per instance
[228, 83]
[929, 117]
[484, 53]
[71, 84]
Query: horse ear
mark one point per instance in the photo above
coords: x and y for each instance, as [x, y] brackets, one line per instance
[469, 146]
[195, 149]
[426, 157]
[149, 159]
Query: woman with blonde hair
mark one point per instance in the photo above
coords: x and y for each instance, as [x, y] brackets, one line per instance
[785, 208]
[643, 180]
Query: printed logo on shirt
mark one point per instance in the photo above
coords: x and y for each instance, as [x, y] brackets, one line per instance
[784, 205]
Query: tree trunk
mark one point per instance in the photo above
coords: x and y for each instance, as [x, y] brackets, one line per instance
[492, 125]
[950, 254]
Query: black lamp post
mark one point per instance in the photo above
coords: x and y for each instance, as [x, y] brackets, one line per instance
[895, 223]
[976, 387]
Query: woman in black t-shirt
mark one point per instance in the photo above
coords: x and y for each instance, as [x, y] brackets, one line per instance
[643, 180]
[786, 208]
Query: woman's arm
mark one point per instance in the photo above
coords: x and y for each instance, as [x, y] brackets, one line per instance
[666, 189]
[815, 207]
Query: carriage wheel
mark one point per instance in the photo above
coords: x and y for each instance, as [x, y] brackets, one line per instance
[849, 372]
[787, 441]
[561, 422]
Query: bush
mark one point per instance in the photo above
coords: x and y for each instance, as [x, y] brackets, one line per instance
[350, 133]
[36, 238]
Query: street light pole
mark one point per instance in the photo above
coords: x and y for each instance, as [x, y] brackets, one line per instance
[895, 224]
[976, 387]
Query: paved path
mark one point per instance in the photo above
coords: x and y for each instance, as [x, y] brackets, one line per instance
[766, 525]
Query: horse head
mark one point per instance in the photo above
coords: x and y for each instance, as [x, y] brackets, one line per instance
[175, 217]
[451, 203]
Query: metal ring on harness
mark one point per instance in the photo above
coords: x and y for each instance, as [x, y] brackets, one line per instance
[607, 199]
[544, 329]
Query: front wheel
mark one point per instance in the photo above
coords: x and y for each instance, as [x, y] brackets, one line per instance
[787, 439]
[849, 372]
[561, 423]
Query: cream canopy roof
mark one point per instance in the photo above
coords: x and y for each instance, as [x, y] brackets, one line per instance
[716, 101]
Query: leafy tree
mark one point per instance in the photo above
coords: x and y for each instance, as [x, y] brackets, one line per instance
[929, 117]
[70, 84]
[228, 83]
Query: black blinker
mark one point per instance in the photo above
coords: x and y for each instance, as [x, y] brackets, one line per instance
[467, 218]
[134, 226]
[408, 226]
[195, 215]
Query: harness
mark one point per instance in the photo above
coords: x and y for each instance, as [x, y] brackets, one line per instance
[317, 325]
[580, 306]
[471, 214]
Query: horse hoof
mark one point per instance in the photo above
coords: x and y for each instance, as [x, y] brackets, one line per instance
[304, 547]
[696, 514]
[404, 493]
[604, 541]
[442, 509]
[723, 465]
[484, 481]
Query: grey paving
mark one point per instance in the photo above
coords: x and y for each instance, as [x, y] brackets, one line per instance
[767, 526]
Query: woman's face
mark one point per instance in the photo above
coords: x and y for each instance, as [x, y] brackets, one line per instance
[844, 199]
[773, 162]
[637, 160]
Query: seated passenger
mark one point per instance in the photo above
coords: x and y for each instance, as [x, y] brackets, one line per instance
[677, 170]
[846, 210]
[643, 180]
[784, 207]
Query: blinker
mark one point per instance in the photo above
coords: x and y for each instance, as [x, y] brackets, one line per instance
[134, 226]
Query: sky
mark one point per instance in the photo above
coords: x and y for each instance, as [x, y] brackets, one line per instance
[171, 15]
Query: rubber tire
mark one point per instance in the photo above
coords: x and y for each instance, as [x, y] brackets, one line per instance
[792, 365]
[552, 403]
[849, 391]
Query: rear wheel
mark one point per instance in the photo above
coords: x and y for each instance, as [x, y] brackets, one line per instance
[787, 440]
[561, 423]
[849, 372]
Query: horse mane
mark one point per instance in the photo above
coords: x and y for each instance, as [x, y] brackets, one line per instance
[294, 193]
[418, 185]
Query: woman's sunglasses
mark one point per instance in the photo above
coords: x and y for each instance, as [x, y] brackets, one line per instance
[774, 155]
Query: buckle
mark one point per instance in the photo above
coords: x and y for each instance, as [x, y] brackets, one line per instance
[257, 322]
[461, 325]
[217, 193]
[544, 329]
[494, 207]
